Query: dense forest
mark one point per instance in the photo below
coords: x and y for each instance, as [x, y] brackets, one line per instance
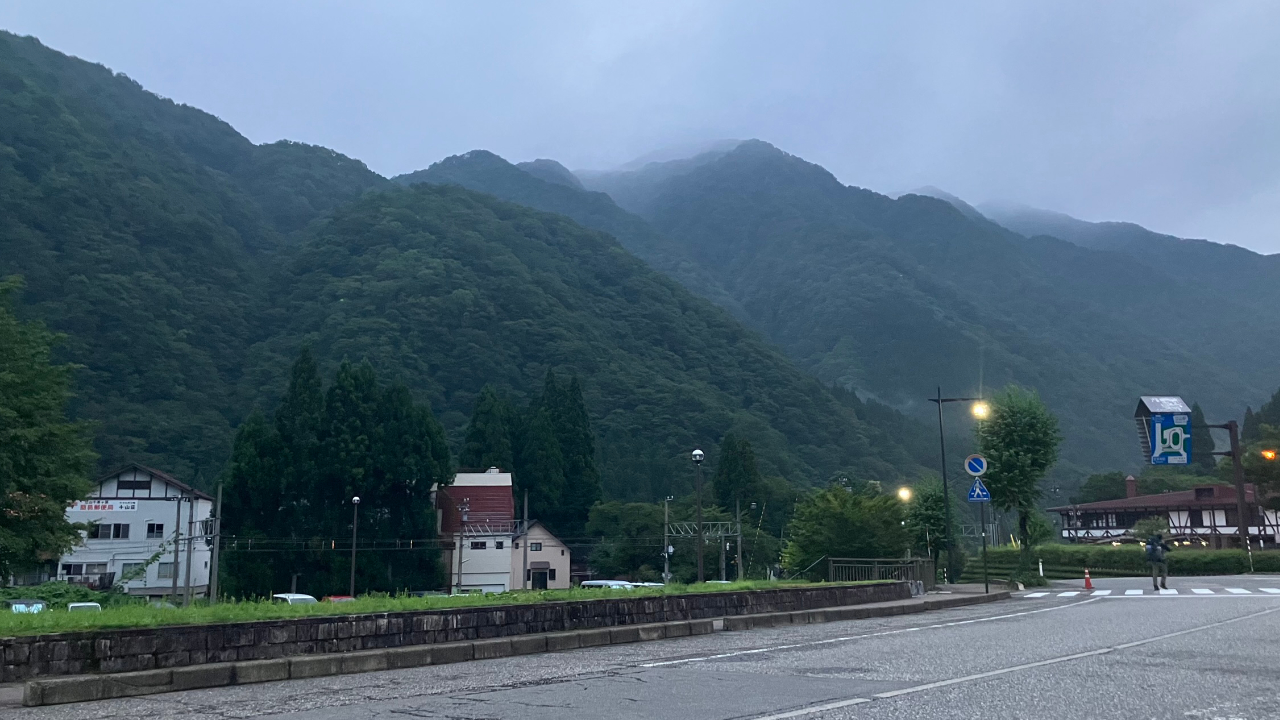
[187, 266]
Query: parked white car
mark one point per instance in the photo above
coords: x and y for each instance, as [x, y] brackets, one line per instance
[294, 599]
[608, 584]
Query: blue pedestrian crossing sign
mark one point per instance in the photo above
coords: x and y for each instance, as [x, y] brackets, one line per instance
[975, 465]
[978, 493]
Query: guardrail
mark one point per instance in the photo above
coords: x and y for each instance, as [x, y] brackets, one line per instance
[919, 570]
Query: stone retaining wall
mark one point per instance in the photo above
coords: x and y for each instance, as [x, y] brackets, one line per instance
[113, 651]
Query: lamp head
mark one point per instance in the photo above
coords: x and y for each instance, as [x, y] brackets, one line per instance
[904, 494]
[1268, 454]
[697, 457]
[355, 500]
[981, 410]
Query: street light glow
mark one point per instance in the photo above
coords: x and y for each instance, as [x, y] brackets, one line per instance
[904, 494]
[1269, 454]
[981, 410]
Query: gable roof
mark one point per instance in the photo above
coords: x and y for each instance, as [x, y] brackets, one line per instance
[1223, 496]
[164, 476]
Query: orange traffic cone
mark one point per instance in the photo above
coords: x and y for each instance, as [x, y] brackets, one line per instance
[1088, 584]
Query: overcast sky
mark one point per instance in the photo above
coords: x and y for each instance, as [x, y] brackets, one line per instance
[1162, 113]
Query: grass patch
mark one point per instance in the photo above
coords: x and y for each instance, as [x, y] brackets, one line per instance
[141, 615]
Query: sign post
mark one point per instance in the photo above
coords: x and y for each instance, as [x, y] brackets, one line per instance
[976, 465]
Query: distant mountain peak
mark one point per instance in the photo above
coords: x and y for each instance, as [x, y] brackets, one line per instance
[552, 172]
[965, 208]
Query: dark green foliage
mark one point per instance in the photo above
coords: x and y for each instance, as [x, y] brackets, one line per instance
[1268, 414]
[926, 520]
[1069, 561]
[567, 412]
[630, 540]
[290, 488]
[1202, 446]
[539, 468]
[1153, 481]
[1250, 431]
[487, 442]
[839, 523]
[45, 460]
[737, 478]
[1020, 441]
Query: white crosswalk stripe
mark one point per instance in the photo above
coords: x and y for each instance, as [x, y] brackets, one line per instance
[1132, 592]
[1202, 591]
[1037, 594]
[1071, 593]
[1238, 591]
[1101, 592]
[1272, 591]
[1168, 591]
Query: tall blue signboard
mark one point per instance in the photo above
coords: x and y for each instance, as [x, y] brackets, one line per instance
[1170, 437]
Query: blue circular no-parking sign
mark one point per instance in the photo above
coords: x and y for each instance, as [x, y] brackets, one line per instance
[975, 465]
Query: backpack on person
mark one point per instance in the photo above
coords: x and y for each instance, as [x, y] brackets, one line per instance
[1155, 551]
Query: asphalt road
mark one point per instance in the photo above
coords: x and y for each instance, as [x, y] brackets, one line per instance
[1190, 655]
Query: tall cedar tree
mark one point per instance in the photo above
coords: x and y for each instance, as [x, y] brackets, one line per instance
[540, 469]
[737, 478]
[1020, 441]
[44, 459]
[488, 438]
[290, 484]
[1250, 431]
[1202, 446]
[567, 412]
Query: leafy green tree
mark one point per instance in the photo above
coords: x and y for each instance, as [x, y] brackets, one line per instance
[1101, 486]
[45, 460]
[567, 412]
[1148, 526]
[630, 540]
[488, 438]
[1020, 441]
[540, 470]
[1262, 463]
[1250, 430]
[836, 522]
[1202, 446]
[926, 520]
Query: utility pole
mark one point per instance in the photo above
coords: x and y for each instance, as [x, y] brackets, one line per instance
[737, 508]
[217, 542]
[524, 546]
[177, 538]
[463, 512]
[697, 460]
[946, 492]
[355, 523]
[1237, 466]
[191, 538]
[723, 542]
[666, 540]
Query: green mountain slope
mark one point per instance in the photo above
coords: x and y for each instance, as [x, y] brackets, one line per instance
[449, 290]
[893, 297]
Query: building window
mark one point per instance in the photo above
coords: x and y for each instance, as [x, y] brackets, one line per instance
[155, 531]
[551, 574]
[535, 547]
[95, 568]
[131, 571]
[516, 544]
[497, 544]
[164, 571]
[479, 544]
[134, 484]
[561, 553]
[108, 531]
[72, 568]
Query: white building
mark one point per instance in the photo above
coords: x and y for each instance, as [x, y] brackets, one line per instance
[134, 512]
[477, 514]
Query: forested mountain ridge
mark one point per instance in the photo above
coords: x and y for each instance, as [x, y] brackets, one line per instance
[140, 227]
[892, 297]
[187, 267]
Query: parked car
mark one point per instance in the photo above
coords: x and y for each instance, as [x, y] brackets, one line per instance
[608, 584]
[84, 607]
[26, 606]
[293, 599]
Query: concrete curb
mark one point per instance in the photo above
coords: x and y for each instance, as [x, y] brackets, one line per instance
[82, 688]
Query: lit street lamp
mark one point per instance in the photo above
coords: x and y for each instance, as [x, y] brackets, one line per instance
[904, 494]
[355, 523]
[1269, 455]
[697, 460]
[980, 410]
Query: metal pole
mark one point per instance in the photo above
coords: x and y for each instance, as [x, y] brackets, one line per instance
[737, 506]
[1242, 508]
[986, 584]
[723, 542]
[701, 576]
[666, 541]
[217, 541]
[355, 523]
[191, 522]
[524, 564]
[946, 492]
[177, 536]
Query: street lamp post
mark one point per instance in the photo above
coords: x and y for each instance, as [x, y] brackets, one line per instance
[980, 410]
[666, 540]
[355, 523]
[697, 460]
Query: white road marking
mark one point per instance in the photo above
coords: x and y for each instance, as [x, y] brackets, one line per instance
[1238, 591]
[1071, 593]
[1132, 592]
[1003, 671]
[1273, 591]
[1038, 594]
[828, 641]
[1202, 591]
[1168, 591]
[1102, 592]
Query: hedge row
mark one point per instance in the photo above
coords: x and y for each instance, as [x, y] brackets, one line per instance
[1067, 561]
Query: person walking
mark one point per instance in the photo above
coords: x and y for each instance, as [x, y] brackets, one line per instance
[1155, 555]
